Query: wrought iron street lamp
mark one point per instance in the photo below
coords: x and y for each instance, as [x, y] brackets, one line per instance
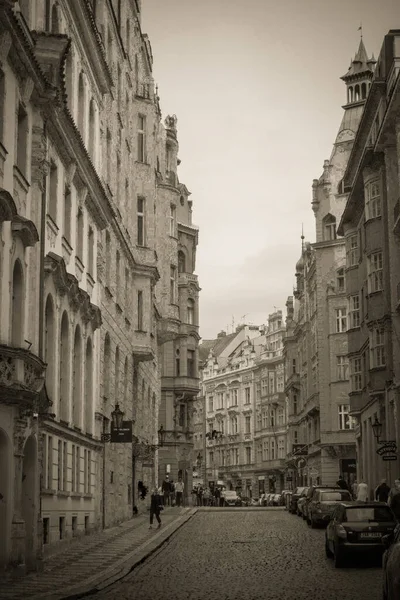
[117, 419]
[377, 429]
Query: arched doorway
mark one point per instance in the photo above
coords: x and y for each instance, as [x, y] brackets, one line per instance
[5, 488]
[29, 499]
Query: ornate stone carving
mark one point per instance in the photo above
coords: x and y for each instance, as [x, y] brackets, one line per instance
[25, 230]
[171, 122]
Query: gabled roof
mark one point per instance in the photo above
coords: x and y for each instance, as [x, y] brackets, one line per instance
[217, 346]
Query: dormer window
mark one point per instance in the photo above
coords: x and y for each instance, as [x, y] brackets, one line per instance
[329, 223]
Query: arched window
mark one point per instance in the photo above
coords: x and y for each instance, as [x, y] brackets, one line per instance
[181, 262]
[329, 222]
[89, 388]
[55, 26]
[49, 349]
[64, 368]
[81, 106]
[77, 380]
[106, 368]
[190, 311]
[363, 90]
[92, 129]
[126, 382]
[350, 94]
[357, 93]
[17, 314]
[116, 384]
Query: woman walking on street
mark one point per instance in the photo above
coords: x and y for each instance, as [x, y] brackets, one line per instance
[155, 508]
[362, 492]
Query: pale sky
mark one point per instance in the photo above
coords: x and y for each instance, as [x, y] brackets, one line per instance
[256, 87]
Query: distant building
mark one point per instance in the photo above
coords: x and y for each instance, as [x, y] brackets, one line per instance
[371, 226]
[317, 369]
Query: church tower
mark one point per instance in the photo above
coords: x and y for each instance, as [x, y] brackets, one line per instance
[358, 77]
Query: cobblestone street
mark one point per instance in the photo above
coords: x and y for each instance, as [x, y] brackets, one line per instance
[251, 555]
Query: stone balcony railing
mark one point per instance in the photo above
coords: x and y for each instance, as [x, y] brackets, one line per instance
[21, 375]
[187, 278]
[144, 346]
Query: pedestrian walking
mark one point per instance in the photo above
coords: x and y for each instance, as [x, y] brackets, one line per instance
[354, 488]
[155, 507]
[179, 488]
[394, 499]
[362, 492]
[342, 483]
[166, 490]
[217, 495]
[200, 496]
[172, 493]
[382, 491]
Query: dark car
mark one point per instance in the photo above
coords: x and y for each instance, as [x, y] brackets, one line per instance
[322, 504]
[294, 499]
[391, 566]
[311, 495]
[301, 502]
[358, 527]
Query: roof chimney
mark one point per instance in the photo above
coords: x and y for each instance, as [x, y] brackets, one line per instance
[221, 334]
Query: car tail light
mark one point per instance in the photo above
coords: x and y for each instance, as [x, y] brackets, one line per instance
[342, 533]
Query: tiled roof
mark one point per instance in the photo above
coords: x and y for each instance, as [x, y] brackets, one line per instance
[218, 345]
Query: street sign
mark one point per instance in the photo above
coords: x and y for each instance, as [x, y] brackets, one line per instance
[390, 457]
[299, 449]
[123, 435]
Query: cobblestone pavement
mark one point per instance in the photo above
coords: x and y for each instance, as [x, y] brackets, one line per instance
[246, 555]
[85, 563]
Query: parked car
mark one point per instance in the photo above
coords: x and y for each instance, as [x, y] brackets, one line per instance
[231, 498]
[277, 499]
[245, 501]
[322, 504]
[294, 499]
[301, 502]
[391, 565]
[270, 499]
[310, 495]
[357, 528]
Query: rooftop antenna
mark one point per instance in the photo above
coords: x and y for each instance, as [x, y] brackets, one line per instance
[302, 239]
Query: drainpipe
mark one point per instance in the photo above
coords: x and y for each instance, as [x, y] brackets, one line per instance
[41, 262]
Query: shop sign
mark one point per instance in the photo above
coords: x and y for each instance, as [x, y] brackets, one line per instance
[389, 447]
[390, 457]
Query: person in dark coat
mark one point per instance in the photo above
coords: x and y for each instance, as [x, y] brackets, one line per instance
[382, 491]
[166, 489]
[394, 499]
[155, 507]
[342, 484]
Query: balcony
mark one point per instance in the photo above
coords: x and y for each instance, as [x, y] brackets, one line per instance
[311, 407]
[182, 384]
[168, 327]
[143, 347]
[187, 279]
[21, 375]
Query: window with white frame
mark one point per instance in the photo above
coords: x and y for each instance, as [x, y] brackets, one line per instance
[344, 419]
[234, 425]
[354, 311]
[272, 447]
[281, 416]
[329, 227]
[247, 395]
[264, 416]
[235, 393]
[247, 424]
[341, 320]
[259, 421]
[352, 250]
[220, 400]
[377, 347]
[141, 237]
[342, 367]
[340, 280]
[172, 284]
[141, 139]
[264, 387]
[355, 374]
[248, 455]
[375, 272]
[265, 450]
[172, 220]
[281, 448]
[372, 195]
[210, 403]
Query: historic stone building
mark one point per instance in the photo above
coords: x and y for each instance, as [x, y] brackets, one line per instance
[270, 415]
[98, 247]
[370, 224]
[321, 400]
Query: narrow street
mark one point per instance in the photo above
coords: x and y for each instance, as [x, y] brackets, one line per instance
[244, 554]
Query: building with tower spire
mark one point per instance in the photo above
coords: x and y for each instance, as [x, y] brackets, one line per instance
[316, 344]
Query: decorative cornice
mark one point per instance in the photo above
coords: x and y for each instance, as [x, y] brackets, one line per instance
[25, 229]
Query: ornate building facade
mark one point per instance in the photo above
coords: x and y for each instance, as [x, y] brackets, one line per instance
[370, 224]
[316, 342]
[98, 248]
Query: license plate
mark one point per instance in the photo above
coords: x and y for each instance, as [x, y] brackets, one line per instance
[370, 535]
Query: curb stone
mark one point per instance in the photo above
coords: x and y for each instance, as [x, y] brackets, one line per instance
[135, 558]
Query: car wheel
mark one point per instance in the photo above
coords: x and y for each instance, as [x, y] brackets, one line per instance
[328, 552]
[338, 558]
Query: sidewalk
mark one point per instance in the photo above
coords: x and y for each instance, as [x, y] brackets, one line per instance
[93, 562]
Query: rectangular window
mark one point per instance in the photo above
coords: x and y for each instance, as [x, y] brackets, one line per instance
[295, 404]
[342, 368]
[234, 397]
[271, 378]
[172, 220]
[85, 471]
[258, 421]
[50, 463]
[281, 448]
[140, 310]
[67, 214]
[340, 280]
[73, 485]
[377, 347]
[211, 403]
[22, 139]
[53, 191]
[236, 456]
[264, 387]
[141, 153]
[345, 421]
[356, 374]
[60, 466]
[272, 446]
[354, 311]
[372, 200]
[247, 424]
[281, 416]
[272, 418]
[172, 285]
[190, 364]
[330, 230]
[247, 395]
[293, 365]
[79, 234]
[248, 455]
[352, 250]
[65, 465]
[141, 237]
[341, 320]
[375, 272]
[78, 469]
[91, 252]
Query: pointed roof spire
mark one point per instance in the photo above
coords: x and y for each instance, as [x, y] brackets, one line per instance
[361, 64]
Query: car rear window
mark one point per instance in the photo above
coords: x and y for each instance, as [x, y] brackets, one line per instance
[358, 514]
[334, 496]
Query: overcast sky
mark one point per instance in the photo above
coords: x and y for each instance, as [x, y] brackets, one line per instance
[256, 87]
